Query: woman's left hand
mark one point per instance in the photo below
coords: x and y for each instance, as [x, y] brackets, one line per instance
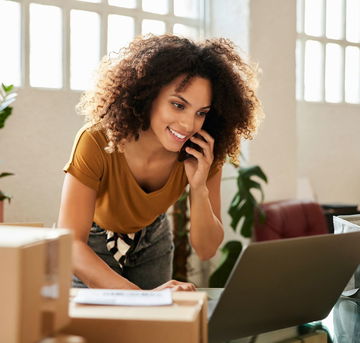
[197, 169]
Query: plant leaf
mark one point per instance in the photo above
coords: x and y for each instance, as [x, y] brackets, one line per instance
[235, 201]
[251, 184]
[246, 229]
[260, 215]
[5, 174]
[7, 89]
[254, 171]
[4, 114]
[183, 196]
[4, 196]
[237, 213]
[230, 254]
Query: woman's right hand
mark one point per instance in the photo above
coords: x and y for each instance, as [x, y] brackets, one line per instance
[176, 286]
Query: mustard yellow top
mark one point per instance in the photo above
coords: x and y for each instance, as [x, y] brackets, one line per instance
[121, 204]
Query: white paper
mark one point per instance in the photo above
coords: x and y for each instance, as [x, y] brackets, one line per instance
[123, 297]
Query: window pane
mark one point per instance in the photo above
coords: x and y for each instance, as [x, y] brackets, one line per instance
[156, 27]
[120, 31]
[186, 8]
[123, 3]
[314, 17]
[313, 71]
[334, 19]
[186, 31]
[352, 72]
[10, 61]
[84, 47]
[353, 21]
[333, 73]
[158, 6]
[45, 46]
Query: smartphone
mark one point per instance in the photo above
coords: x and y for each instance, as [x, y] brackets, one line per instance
[209, 127]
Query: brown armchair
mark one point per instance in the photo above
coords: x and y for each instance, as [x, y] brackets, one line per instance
[290, 218]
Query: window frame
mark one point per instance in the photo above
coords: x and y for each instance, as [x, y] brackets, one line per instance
[103, 9]
[302, 38]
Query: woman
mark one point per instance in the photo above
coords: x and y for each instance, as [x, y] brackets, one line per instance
[127, 168]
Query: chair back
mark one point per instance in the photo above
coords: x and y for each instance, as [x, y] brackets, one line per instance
[290, 218]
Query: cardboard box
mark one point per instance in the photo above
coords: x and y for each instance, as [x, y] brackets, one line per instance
[36, 274]
[183, 321]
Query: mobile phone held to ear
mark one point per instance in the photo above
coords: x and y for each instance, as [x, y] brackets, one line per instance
[208, 126]
[183, 155]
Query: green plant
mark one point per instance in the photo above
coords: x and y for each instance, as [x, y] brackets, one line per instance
[7, 97]
[244, 210]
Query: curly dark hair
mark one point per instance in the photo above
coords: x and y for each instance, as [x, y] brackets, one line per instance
[128, 83]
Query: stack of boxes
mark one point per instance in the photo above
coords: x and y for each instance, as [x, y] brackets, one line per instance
[35, 266]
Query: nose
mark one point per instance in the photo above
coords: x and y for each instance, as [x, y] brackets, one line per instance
[187, 122]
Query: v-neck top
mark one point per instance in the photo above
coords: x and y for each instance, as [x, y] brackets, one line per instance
[121, 204]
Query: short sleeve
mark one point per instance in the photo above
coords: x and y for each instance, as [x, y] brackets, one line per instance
[86, 161]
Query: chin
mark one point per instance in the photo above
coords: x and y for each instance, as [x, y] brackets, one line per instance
[172, 148]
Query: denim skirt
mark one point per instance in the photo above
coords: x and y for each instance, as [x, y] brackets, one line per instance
[148, 262]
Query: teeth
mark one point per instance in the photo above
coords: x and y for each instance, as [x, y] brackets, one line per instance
[177, 134]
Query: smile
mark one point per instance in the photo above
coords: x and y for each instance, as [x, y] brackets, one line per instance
[177, 134]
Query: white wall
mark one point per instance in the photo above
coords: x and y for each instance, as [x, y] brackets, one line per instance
[272, 45]
[35, 144]
[328, 150]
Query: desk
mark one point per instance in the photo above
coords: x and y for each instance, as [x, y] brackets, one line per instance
[343, 323]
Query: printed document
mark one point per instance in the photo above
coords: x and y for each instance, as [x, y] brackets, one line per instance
[123, 297]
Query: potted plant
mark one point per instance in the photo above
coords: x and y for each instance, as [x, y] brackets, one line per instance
[7, 97]
[244, 210]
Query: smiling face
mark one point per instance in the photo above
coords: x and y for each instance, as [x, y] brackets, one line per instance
[176, 115]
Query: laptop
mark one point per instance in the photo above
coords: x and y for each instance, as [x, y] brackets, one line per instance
[282, 283]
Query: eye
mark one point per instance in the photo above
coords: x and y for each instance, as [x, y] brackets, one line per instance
[178, 105]
[202, 113]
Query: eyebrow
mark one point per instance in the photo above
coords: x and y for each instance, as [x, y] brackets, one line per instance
[187, 102]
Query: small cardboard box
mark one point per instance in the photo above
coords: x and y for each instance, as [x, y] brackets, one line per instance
[183, 321]
[35, 264]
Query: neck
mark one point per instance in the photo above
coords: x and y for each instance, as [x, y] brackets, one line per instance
[147, 149]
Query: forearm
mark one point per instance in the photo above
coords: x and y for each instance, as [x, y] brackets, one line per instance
[94, 272]
[206, 232]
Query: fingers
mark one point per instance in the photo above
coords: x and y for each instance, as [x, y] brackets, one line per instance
[183, 288]
[207, 137]
[177, 286]
[206, 142]
[197, 154]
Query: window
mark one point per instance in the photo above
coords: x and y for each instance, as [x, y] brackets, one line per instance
[57, 44]
[328, 51]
